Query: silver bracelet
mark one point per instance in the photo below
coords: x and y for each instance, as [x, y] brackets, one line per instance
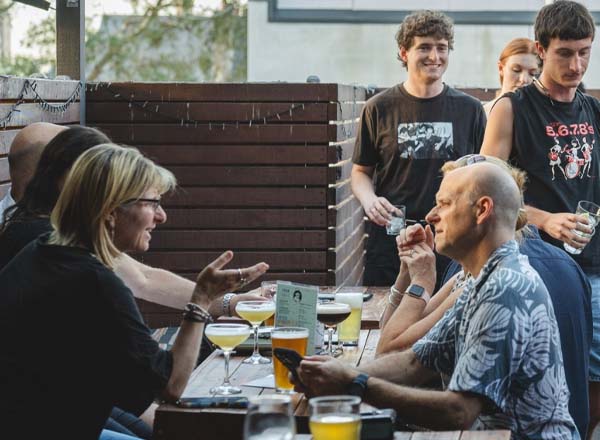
[227, 303]
[394, 295]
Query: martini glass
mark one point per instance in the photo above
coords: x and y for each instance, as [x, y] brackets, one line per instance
[255, 312]
[227, 337]
[331, 314]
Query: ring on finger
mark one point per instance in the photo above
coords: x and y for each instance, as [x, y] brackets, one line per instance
[242, 279]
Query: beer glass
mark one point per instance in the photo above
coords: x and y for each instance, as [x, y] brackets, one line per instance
[255, 312]
[591, 212]
[268, 289]
[270, 417]
[227, 337]
[349, 329]
[331, 314]
[294, 338]
[398, 220]
[335, 417]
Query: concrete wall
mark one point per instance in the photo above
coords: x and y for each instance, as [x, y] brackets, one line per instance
[366, 53]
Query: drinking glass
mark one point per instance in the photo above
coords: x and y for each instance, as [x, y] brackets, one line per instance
[294, 338]
[270, 417]
[227, 337]
[268, 289]
[255, 312]
[398, 221]
[331, 314]
[349, 329]
[591, 212]
[333, 417]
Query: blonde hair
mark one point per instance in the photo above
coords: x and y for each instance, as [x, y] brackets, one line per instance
[519, 176]
[102, 179]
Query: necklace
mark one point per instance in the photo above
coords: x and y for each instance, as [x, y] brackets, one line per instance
[543, 89]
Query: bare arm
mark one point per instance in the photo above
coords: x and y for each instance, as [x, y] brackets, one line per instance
[377, 208]
[499, 130]
[211, 284]
[412, 320]
[432, 409]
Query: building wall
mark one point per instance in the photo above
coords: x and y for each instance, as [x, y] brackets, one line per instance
[5, 40]
[365, 53]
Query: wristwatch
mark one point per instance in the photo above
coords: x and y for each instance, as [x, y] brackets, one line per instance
[417, 291]
[358, 386]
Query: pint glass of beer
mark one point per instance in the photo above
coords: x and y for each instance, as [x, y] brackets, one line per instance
[333, 417]
[349, 330]
[294, 338]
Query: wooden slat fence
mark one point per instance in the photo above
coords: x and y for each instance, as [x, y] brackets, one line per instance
[263, 170]
[27, 108]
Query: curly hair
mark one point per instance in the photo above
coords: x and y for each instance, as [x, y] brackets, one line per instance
[565, 20]
[424, 24]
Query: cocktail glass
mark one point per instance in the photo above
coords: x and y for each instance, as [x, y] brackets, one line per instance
[331, 314]
[255, 312]
[227, 337]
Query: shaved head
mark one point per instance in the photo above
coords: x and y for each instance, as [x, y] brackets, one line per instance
[25, 152]
[487, 179]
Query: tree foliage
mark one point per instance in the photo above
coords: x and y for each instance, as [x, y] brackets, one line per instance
[161, 41]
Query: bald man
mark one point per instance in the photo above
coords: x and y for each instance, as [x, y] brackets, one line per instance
[499, 343]
[23, 157]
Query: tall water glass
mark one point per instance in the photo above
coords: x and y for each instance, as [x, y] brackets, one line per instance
[591, 212]
[270, 417]
[335, 417]
[349, 329]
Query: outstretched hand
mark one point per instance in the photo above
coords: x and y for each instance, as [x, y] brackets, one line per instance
[214, 281]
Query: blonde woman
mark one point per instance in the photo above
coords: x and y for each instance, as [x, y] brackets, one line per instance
[110, 204]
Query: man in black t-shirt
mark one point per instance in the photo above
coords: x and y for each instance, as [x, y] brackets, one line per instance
[406, 134]
[549, 129]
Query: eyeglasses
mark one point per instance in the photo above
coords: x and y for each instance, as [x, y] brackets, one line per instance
[154, 203]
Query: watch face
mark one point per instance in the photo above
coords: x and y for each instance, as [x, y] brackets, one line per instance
[415, 290]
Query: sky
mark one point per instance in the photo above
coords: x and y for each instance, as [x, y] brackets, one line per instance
[24, 16]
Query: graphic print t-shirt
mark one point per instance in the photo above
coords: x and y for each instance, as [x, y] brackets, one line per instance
[557, 144]
[408, 139]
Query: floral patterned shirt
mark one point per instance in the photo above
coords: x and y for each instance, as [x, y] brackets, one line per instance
[501, 341]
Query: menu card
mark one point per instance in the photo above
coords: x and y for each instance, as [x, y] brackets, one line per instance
[296, 306]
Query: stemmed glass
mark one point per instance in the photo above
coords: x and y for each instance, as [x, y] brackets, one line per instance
[255, 312]
[331, 314]
[227, 337]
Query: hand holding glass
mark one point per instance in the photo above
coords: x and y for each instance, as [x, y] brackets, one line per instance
[398, 220]
[335, 417]
[227, 337]
[294, 338]
[591, 212]
[255, 312]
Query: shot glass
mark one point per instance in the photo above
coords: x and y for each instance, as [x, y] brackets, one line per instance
[591, 212]
[398, 221]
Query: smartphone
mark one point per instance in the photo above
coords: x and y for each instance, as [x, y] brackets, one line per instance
[291, 359]
[213, 402]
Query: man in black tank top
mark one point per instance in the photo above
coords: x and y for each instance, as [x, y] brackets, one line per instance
[551, 130]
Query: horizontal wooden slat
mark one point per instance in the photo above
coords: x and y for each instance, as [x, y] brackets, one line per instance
[134, 134]
[169, 112]
[223, 92]
[182, 240]
[314, 278]
[50, 90]
[4, 189]
[245, 218]
[254, 175]
[278, 261]
[30, 113]
[4, 174]
[238, 154]
[247, 197]
[6, 138]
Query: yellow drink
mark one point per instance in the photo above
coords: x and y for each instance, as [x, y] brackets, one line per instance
[349, 329]
[227, 338]
[256, 315]
[294, 338]
[335, 426]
